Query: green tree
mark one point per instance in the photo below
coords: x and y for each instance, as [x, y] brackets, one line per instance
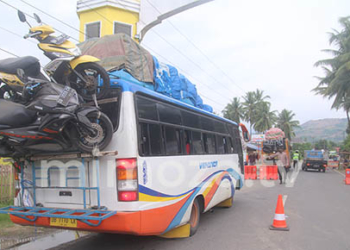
[253, 103]
[301, 147]
[325, 144]
[346, 144]
[249, 108]
[336, 82]
[259, 96]
[234, 110]
[286, 123]
[265, 118]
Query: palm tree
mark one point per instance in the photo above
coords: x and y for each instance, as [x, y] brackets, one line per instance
[259, 96]
[286, 123]
[336, 82]
[265, 118]
[249, 108]
[234, 110]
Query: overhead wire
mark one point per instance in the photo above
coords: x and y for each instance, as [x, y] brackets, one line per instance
[2, 1]
[15, 34]
[163, 58]
[184, 55]
[174, 47]
[194, 45]
[8, 52]
[53, 17]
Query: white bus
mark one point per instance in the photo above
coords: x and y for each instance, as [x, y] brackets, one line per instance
[170, 162]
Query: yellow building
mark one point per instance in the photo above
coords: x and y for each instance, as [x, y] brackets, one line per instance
[106, 17]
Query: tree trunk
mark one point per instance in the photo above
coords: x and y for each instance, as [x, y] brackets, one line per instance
[250, 123]
[347, 116]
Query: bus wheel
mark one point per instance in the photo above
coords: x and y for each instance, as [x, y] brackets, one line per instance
[195, 216]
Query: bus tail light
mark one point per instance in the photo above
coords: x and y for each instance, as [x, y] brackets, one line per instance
[127, 196]
[127, 180]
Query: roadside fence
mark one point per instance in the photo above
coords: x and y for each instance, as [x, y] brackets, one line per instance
[6, 183]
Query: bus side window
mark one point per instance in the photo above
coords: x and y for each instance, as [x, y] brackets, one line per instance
[197, 143]
[220, 140]
[229, 146]
[172, 141]
[144, 140]
[187, 141]
[155, 137]
[209, 142]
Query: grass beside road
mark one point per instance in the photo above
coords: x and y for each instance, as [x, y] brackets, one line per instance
[5, 220]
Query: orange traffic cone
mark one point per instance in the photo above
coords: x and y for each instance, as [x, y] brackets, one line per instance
[279, 221]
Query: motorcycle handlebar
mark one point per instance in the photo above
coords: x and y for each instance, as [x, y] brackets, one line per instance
[32, 34]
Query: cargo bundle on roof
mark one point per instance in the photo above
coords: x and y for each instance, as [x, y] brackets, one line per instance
[126, 59]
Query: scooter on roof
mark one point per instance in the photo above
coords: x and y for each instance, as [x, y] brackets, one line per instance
[52, 121]
[67, 65]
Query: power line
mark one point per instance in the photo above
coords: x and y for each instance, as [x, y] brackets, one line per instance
[8, 52]
[173, 46]
[92, 44]
[112, 23]
[18, 35]
[53, 17]
[193, 62]
[165, 41]
[33, 17]
[194, 45]
[184, 71]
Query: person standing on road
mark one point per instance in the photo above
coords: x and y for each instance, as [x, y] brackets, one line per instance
[252, 159]
[282, 163]
[296, 158]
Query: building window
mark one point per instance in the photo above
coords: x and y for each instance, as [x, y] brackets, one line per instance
[92, 30]
[122, 28]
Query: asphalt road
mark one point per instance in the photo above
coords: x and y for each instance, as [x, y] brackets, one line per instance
[317, 206]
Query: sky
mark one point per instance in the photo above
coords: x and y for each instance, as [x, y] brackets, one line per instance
[225, 47]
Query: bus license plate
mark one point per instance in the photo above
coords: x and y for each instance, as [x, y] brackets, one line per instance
[63, 222]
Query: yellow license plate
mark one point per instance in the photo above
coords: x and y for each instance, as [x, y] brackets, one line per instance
[62, 222]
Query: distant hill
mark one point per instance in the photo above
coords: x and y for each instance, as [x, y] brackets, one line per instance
[314, 130]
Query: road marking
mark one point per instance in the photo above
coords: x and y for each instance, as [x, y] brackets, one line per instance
[284, 198]
[339, 172]
[291, 181]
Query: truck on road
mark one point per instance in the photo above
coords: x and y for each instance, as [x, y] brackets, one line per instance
[315, 159]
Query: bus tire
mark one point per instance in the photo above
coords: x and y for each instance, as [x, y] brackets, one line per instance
[195, 217]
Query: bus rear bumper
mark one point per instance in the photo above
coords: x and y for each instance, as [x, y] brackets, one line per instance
[123, 222]
[146, 222]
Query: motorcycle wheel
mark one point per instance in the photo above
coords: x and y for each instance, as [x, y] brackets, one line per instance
[96, 81]
[104, 132]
